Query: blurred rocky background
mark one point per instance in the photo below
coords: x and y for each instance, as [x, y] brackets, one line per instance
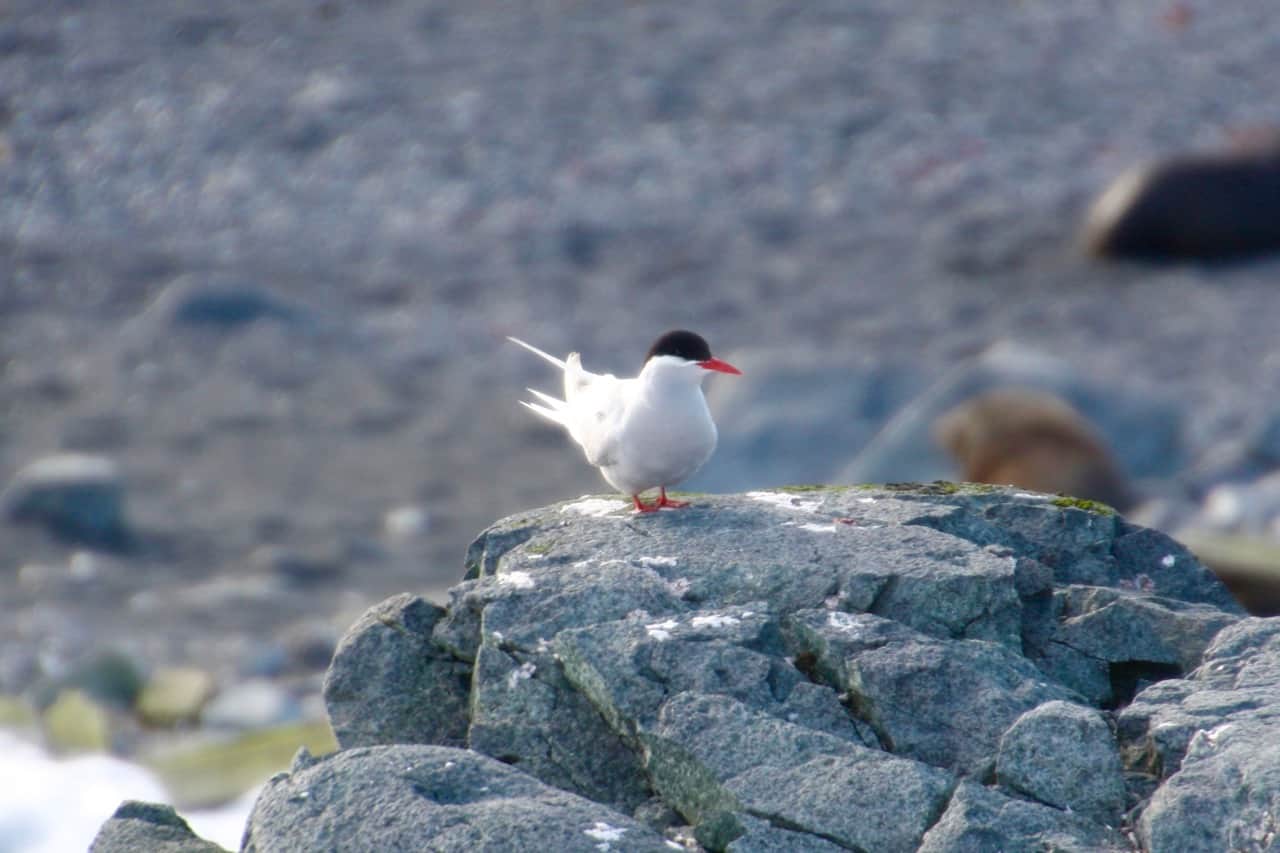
[257, 261]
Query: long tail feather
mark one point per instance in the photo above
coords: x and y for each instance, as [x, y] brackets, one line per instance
[552, 402]
[550, 414]
[531, 348]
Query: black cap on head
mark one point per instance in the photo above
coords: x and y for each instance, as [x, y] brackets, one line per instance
[680, 343]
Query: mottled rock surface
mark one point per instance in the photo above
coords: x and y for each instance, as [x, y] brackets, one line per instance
[429, 797]
[805, 667]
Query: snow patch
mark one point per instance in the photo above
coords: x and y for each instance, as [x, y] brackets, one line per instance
[62, 803]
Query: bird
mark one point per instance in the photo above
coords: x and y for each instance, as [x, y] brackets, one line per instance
[650, 431]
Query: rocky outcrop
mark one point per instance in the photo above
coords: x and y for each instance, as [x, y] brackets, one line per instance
[916, 668]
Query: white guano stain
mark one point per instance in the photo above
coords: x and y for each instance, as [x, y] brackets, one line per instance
[604, 832]
[844, 622]
[782, 500]
[661, 631]
[521, 673]
[714, 621]
[657, 562]
[597, 507]
[519, 580]
[811, 527]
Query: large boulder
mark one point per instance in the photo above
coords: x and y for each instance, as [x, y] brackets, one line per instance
[429, 798]
[807, 669]
[1213, 740]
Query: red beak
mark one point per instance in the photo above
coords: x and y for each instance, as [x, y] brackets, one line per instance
[722, 366]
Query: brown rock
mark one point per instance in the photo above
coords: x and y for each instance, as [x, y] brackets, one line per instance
[1033, 440]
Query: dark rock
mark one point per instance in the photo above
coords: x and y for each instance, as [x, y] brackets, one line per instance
[75, 496]
[222, 305]
[109, 676]
[429, 797]
[979, 819]
[390, 683]
[1214, 738]
[1105, 643]
[295, 567]
[1064, 755]
[1203, 207]
[1237, 679]
[139, 826]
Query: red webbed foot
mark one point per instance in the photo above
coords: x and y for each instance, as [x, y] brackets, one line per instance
[663, 500]
[641, 506]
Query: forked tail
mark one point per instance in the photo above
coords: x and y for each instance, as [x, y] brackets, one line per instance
[531, 348]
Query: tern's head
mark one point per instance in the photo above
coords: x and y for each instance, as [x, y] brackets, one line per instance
[681, 351]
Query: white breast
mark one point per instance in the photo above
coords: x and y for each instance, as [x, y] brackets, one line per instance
[666, 436]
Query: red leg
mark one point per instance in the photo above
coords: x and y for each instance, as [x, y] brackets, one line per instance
[663, 500]
[644, 507]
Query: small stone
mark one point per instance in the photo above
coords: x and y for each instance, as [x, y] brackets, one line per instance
[75, 723]
[254, 704]
[405, 522]
[223, 305]
[174, 695]
[15, 713]
[309, 646]
[294, 567]
[110, 677]
[76, 496]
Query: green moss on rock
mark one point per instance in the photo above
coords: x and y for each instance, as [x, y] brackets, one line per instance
[1083, 504]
